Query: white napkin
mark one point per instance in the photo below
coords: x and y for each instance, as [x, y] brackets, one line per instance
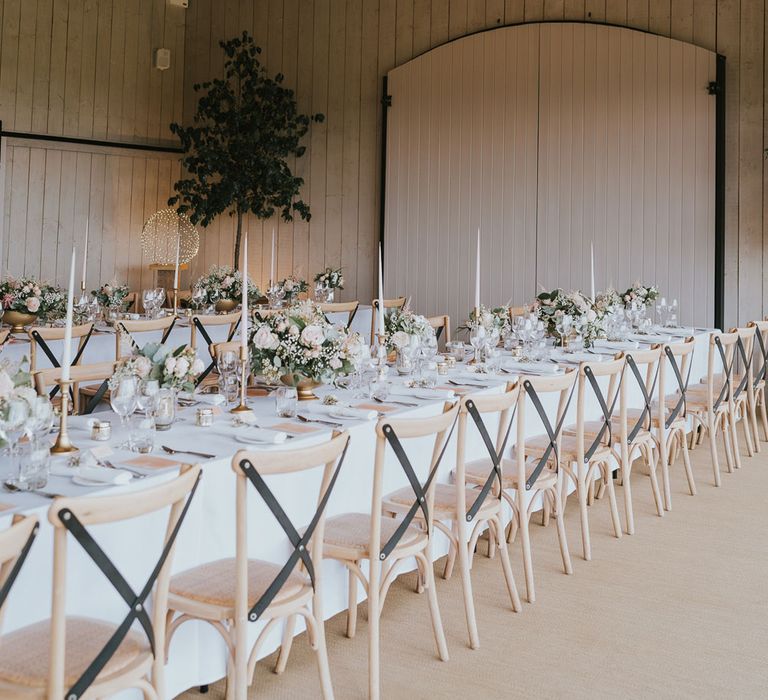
[350, 412]
[437, 394]
[679, 332]
[261, 436]
[560, 356]
[651, 338]
[210, 399]
[533, 367]
[616, 344]
[91, 471]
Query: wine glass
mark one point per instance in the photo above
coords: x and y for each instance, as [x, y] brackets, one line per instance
[477, 339]
[198, 297]
[147, 300]
[146, 398]
[227, 362]
[124, 398]
[672, 315]
[14, 414]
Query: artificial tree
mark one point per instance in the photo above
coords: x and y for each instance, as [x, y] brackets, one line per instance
[246, 127]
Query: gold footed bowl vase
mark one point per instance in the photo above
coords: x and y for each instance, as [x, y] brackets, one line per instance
[18, 319]
[304, 385]
[224, 306]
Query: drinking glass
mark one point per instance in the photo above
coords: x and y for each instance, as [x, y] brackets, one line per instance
[455, 349]
[147, 300]
[275, 295]
[141, 434]
[672, 315]
[147, 397]
[124, 399]
[477, 340]
[286, 400]
[13, 419]
[165, 412]
[228, 362]
[198, 297]
[34, 466]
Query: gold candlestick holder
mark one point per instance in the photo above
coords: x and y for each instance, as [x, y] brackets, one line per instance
[382, 368]
[63, 443]
[476, 316]
[243, 381]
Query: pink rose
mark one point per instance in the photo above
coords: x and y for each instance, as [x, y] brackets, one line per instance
[313, 336]
[33, 305]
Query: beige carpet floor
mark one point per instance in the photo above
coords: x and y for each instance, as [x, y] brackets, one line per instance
[676, 611]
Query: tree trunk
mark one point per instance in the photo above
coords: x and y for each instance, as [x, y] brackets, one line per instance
[238, 236]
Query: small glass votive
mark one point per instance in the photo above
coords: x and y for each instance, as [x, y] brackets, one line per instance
[141, 434]
[442, 368]
[204, 417]
[34, 465]
[286, 399]
[456, 350]
[429, 372]
[101, 430]
[166, 409]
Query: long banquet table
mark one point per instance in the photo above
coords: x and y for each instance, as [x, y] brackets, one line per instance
[197, 655]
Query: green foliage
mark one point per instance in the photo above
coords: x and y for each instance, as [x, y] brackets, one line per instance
[246, 127]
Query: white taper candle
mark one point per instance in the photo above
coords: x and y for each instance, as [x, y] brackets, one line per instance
[85, 256]
[178, 253]
[244, 311]
[66, 354]
[477, 271]
[592, 267]
[272, 263]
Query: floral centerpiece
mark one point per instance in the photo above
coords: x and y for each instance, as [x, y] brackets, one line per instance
[301, 348]
[53, 302]
[401, 325]
[22, 411]
[173, 369]
[608, 301]
[640, 294]
[223, 286]
[552, 307]
[112, 296]
[21, 299]
[327, 282]
[495, 319]
[292, 287]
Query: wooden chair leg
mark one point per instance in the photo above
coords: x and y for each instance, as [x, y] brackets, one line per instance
[764, 417]
[582, 494]
[591, 492]
[608, 476]
[726, 431]
[374, 615]
[745, 422]
[561, 536]
[713, 450]
[525, 539]
[753, 418]
[434, 609]
[664, 456]
[688, 470]
[285, 647]
[469, 603]
[450, 560]
[652, 460]
[626, 480]
[731, 424]
[545, 513]
[506, 567]
[323, 667]
[352, 606]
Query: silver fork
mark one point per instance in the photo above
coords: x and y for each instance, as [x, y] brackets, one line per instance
[109, 465]
[15, 489]
[304, 419]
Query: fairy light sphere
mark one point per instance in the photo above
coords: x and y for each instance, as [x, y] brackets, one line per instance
[160, 234]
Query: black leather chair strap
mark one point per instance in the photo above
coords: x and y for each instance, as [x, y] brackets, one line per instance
[8, 584]
[742, 354]
[96, 398]
[646, 414]
[681, 404]
[552, 434]
[419, 490]
[299, 542]
[496, 457]
[725, 390]
[54, 360]
[762, 374]
[606, 411]
[135, 601]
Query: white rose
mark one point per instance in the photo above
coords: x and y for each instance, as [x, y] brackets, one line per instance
[335, 363]
[265, 339]
[293, 330]
[197, 366]
[182, 367]
[401, 339]
[143, 366]
[33, 304]
[170, 364]
[591, 316]
[313, 336]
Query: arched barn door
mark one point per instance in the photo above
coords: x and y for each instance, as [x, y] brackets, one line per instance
[550, 137]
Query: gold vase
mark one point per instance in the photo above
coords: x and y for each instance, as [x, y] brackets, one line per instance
[18, 319]
[224, 306]
[304, 386]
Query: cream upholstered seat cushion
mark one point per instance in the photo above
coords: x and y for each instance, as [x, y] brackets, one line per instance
[444, 504]
[214, 583]
[477, 472]
[348, 535]
[25, 653]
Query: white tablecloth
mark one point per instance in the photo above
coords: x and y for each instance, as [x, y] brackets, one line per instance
[197, 655]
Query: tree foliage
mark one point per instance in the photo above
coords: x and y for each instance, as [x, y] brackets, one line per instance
[246, 128]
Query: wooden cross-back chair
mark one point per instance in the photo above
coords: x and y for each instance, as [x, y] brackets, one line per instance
[198, 324]
[759, 376]
[341, 307]
[442, 327]
[471, 506]
[632, 429]
[125, 330]
[531, 476]
[39, 339]
[85, 398]
[586, 454]
[77, 657]
[241, 590]
[712, 404]
[353, 538]
[388, 304]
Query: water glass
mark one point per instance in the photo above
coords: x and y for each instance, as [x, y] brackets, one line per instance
[672, 315]
[286, 400]
[455, 349]
[165, 412]
[124, 398]
[429, 373]
[147, 395]
[141, 434]
[229, 386]
[34, 465]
